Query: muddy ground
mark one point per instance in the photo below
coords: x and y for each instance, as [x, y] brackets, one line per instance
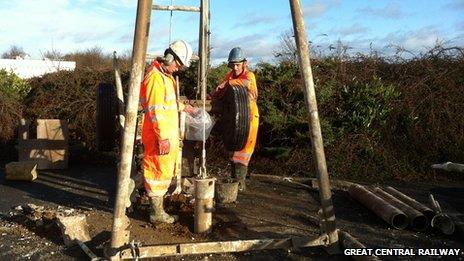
[270, 208]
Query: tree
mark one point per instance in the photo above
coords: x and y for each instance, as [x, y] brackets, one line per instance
[14, 52]
[90, 58]
[287, 50]
[53, 55]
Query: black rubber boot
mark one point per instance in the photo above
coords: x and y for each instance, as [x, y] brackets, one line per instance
[232, 170]
[157, 213]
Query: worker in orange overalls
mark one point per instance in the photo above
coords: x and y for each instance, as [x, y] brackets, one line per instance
[239, 75]
[160, 131]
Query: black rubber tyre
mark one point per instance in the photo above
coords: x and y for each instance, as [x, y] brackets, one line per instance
[106, 117]
[235, 118]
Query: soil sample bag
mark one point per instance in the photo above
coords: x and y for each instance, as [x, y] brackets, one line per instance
[195, 122]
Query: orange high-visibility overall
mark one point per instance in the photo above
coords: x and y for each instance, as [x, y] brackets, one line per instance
[247, 80]
[159, 101]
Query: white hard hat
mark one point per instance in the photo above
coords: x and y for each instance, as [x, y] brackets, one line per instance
[182, 51]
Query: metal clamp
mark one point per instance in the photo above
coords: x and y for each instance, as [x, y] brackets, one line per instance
[135, 249]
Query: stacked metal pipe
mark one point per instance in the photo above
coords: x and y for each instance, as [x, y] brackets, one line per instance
[417, 220]
[379, 206]
[394, 207]
[411, 202]
[400, 210]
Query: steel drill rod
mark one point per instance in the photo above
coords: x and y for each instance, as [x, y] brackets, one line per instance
[182, 249]
[417, 220]
[411, 202]
[202, 68]
[120, 234]
[313, 119]
[382, 208]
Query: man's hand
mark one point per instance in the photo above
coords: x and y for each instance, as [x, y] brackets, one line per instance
[219, 91]
[189, 108]
[221, 86]
[164, 147]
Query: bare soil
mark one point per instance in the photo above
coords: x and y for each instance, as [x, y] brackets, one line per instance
[270, 208]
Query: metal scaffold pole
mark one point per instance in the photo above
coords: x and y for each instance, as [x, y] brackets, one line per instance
[204, 186]
[120, 234]
[328, 214]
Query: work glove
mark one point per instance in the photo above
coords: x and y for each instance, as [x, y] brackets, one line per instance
[164, 147]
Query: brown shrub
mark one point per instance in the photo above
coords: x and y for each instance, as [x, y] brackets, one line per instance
[70, 96]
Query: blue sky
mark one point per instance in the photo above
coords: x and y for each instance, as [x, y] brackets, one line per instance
[68, 25]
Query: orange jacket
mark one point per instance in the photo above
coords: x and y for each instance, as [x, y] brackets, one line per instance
[159, 101]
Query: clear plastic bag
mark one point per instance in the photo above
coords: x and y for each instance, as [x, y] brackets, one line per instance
[194, 123]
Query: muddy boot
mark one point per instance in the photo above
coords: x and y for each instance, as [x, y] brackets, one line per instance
[157, 213]
[240, 174]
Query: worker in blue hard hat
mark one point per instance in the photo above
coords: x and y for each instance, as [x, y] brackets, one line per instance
[239, 75]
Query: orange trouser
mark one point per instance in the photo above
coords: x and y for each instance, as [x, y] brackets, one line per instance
[243, 156]
[158, 170]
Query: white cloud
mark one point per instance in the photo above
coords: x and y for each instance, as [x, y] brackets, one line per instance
[350, 30]
[456, 5]
[412, 41]
[460, 26]
[314, 10]
[62, 25]
[390, 11]
[253, 20]
[318, 8]
[415, 41]
[256, 46]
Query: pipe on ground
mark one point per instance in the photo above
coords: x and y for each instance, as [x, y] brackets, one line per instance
[417, 220]
[383, 209]
[441, 221]
[411, 202]
[444, 223]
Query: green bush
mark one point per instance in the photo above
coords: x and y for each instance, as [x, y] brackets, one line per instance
[365, 107]
[12, 91]
[380, 119]
[12, 85]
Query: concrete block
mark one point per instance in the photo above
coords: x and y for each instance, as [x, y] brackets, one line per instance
[74, 228]
[21, 171]
[52, 129]
[50, 149]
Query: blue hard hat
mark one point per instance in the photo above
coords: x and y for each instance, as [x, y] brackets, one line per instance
[236, 55]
